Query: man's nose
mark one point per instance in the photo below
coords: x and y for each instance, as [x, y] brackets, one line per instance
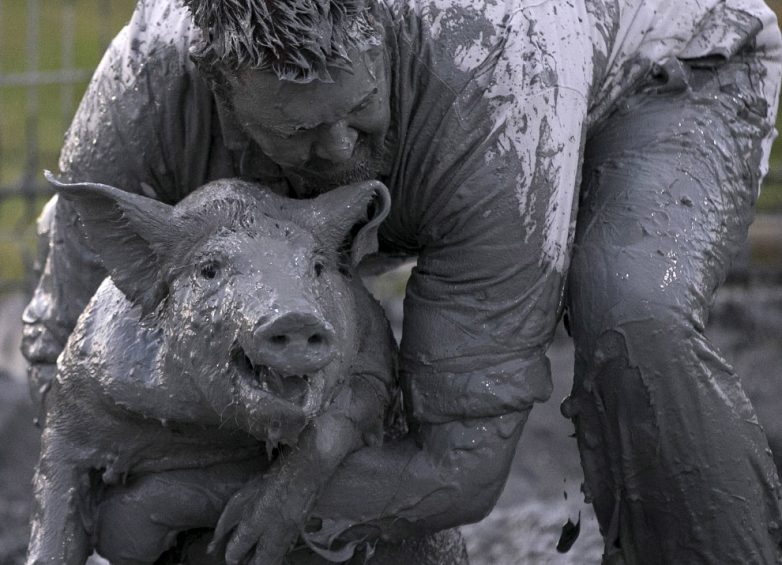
[336, 142]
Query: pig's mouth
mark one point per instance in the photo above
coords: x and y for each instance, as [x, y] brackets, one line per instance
[303, 391]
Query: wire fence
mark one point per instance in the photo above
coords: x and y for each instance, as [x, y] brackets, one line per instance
[48, 50]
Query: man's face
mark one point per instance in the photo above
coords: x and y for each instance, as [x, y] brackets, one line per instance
[322, 135]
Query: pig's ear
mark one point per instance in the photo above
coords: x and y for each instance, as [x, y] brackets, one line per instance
[352, 214]
[130, 233]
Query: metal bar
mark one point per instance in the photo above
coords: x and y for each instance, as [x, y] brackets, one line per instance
[32, 119]
[2, 101]
[774, 176]
[44, 78]
[67, 45]
[33, 191]
[104, 7]
[32, 109]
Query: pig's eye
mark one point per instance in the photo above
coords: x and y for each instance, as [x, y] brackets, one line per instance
[210, 270]
[318, 268]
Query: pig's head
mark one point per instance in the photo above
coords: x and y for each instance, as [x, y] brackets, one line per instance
[252, 291]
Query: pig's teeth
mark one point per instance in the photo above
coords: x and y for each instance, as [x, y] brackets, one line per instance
[314, 396]
[255, 376]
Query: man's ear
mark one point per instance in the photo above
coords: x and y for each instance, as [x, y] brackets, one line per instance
[351, 215]
[130, 233]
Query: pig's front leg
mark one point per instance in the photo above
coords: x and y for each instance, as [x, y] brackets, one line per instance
[61, 486]
[266, 516]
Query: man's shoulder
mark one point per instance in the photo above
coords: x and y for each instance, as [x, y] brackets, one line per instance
[144, 107]
[451, 21]
[160, 33]
[147, 68]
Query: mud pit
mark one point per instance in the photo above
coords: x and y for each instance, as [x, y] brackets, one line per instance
[544, 488]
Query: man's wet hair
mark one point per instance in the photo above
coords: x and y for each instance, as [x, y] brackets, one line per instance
[298, 40]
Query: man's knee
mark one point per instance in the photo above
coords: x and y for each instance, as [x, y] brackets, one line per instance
[625, 307]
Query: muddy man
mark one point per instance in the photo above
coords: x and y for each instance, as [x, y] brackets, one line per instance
[594, 157]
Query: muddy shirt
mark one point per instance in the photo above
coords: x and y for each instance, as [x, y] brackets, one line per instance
[492, 106]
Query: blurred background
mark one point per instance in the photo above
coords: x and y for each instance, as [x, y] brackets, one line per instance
[48, 50]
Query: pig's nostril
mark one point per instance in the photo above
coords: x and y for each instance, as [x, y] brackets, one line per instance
[294, 344]
[316, 339]
[279, 340]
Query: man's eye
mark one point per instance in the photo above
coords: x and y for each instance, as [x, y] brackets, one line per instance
[274, 132]
[293, 132]
[364, 105]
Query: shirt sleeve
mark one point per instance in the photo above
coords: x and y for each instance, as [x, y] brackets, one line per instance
[494, 218]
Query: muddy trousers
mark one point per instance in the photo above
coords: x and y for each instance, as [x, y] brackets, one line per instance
[676, 464]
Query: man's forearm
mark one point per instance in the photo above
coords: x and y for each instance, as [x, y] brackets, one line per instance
[69, 277]
[440, 477]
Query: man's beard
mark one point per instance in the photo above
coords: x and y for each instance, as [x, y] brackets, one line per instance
[320, 175]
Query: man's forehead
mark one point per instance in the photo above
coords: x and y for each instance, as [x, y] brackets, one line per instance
[272, 97]
[360, 61]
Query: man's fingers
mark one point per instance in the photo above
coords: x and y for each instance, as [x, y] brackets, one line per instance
[269, 556]
[274, 545]
[233, 513]
[230, 517]
[271, 540]
[242, 541]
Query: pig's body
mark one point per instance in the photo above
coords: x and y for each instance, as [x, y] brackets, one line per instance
[118, 409]
[115, 398]
[251, 336]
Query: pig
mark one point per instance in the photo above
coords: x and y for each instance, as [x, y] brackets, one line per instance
[231, 327]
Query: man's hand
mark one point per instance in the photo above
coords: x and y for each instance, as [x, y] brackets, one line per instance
[442, 476]
[261, 521]
[267, 515]
[40, 377]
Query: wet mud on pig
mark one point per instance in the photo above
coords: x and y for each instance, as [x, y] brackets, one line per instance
[230, 329]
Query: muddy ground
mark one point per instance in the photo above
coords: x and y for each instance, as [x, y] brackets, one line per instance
[543, 490]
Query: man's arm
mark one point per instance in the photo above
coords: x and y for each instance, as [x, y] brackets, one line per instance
[480, 309]
[479, 313]
[438, 477]
[488, 203]
[71, 272]
[495, 226]
[129, 131]
[441, 476]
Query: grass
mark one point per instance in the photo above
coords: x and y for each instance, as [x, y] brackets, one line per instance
[96, 22]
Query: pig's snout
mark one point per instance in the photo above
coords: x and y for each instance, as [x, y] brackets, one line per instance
[294, 343]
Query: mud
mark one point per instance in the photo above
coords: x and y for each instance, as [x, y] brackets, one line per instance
[746, 323]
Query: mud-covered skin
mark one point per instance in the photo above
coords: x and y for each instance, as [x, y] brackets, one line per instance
[494, 107]
[172, 367]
